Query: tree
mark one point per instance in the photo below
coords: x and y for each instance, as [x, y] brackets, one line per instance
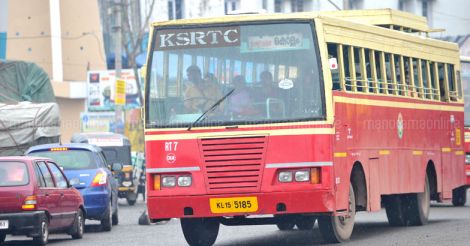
[133, 32]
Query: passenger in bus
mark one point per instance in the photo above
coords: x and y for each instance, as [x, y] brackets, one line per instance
[268, 86]
[270, 98]
[241, 101]
[200, 93]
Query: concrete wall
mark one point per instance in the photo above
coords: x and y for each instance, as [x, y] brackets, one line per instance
[72, 42]
[29, 32]
[82, 42]
[70, 116]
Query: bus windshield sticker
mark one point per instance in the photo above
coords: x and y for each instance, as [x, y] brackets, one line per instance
[198, 38]
[333, 63]
[286, 84]
[293, 41]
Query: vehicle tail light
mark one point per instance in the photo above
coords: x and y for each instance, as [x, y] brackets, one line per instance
[315, 175]
[100, 179]
[29, 203]
[156, 182]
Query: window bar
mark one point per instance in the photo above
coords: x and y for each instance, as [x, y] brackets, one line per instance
[352, 68]
[373, 70]
[446, 83]
[411, 91]
[394, 76]
[383, 73]
[436, 82]
[340, 66]
[364, 82]
[402, 77]
[420, 79]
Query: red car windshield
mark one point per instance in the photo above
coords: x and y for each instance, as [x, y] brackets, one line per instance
[13, 174]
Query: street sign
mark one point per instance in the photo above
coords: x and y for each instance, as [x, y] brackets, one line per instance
[120, 97]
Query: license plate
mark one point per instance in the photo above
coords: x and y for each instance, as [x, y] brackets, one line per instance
[234, 205]
[3, 224]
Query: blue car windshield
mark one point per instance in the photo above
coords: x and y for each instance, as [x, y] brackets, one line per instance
[70, 159]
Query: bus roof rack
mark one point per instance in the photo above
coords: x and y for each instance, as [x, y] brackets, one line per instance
[387, 18]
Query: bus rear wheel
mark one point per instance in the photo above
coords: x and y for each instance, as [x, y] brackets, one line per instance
[200, 231]
[393, 208]
[336, 229]
[459, 196]
[409, 209]
[417, 206]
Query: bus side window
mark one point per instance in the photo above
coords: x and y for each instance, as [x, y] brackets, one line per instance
[434, 81]
[380, 68]
[451, 82]
[332, 56]
[368, 67]
[360, 78]
[416, 85]
[373, 86]
[347, 68]
[391, 86]
[400, 76]
[408, 79]
[425, 75]
[442, 82]
[458, 81]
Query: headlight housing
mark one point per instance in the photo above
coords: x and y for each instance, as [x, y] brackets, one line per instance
[185, 181]
[168, 181]
[285, 176]
[302, 176]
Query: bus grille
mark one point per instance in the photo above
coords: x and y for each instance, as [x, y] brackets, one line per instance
[233, 164]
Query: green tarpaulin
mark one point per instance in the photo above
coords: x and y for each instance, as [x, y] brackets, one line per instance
[28, 112]
[24, 81]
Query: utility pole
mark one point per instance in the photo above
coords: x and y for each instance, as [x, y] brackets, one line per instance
[118, 118]
[346, 4]
[117, 38]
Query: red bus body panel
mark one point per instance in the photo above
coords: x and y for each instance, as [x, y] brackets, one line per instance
[467, 151]
[392, 139]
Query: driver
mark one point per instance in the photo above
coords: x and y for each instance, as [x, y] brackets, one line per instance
[200, 93]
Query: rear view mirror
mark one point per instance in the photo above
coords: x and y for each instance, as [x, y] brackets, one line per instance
[116, 167]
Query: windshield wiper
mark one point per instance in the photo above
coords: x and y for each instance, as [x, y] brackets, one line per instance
[200, 118]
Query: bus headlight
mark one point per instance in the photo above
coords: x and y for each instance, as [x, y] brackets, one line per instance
[184, 181]
[302, 176]
[168, 181]
[285, 176]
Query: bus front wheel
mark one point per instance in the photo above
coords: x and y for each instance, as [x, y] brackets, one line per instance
[200, 231]
[336, 229]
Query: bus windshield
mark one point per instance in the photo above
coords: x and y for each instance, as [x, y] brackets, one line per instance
[272, 69]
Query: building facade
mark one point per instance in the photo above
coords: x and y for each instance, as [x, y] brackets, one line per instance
[446, 14]
[64, 38]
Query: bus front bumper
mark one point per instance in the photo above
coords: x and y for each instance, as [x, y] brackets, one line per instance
[317, 201]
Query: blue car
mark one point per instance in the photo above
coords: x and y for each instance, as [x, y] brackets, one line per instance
[87, 169]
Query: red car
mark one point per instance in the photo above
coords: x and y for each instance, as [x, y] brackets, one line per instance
[36, 199]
